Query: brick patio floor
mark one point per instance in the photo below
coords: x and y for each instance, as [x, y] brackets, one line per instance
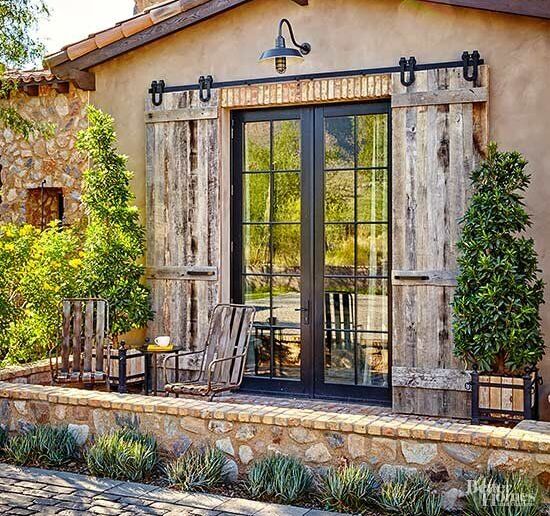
[26, 491]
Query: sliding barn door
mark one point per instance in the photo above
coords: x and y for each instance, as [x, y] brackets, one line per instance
[182, 215]
[439, 137]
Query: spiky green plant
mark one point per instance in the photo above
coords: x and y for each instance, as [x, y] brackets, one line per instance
[125, 454]
[42, 445]
[410, 495]
[197, 470]
[279, 478]
[350, 489]
[498, 494]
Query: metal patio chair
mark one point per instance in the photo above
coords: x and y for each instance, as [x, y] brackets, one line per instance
[223, 358]
[81, 355]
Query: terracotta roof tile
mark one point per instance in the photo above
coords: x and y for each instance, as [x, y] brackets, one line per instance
[124, 29]
[32, 76]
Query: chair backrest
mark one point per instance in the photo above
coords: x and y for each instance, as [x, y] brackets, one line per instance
[84, 335]
[228, 336]
[339, 315]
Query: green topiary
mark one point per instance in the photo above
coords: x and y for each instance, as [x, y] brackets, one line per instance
[197, 470]
[349, 489]
[279, 478]
[496, 304]
[410, 495]
[125, 454]
[43, 445]
[498, 494]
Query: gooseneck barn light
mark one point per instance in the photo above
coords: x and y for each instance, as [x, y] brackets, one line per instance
[281, 53]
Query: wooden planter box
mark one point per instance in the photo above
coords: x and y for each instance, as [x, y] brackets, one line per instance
[504, 399]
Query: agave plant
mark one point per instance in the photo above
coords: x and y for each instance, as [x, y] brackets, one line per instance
[42, 445]
[125, 454]
[197, 470]
[499, 494]
[410, 495]
[349, 489]
[280, 478]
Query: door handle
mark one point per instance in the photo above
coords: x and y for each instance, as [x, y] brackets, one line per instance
[305, 311]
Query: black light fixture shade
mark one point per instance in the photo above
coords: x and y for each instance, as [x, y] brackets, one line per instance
[280, 53]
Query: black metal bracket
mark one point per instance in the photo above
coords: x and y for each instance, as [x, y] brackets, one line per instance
[156, 91]
[205, 87]
[408, 65]
[472, 60]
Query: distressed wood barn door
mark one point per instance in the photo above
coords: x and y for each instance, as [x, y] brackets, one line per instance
[439, 137]
[182, 214]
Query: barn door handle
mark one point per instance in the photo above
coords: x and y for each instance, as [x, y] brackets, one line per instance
[411, 277]
[205, 86]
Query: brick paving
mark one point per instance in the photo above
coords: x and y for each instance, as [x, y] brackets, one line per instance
[29, 491]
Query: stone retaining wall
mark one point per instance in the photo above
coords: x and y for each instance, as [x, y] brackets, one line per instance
[451, 453]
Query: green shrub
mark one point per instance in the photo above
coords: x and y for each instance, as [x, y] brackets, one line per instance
[410, 495]
[351, 489]
[37, 269]
[499, 292]
[42, 445]
[197, 470]
[125, 454]
[279, 478]
[497, 494]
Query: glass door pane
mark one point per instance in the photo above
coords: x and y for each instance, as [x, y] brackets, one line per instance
[355, 231]
[271, 179]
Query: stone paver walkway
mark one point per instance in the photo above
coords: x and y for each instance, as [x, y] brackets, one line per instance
[26, 491]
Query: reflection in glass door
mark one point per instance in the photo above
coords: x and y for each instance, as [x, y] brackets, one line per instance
[310, 233]
[352, 180]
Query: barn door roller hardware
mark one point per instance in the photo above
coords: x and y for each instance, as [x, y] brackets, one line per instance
[407, 65]
[472, 60]
[320, 75]
[205, 87]
[156, 91]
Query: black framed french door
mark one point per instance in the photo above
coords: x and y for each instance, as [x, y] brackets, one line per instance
[311, 247]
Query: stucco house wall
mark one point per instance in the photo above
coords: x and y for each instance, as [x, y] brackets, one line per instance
[352, 34]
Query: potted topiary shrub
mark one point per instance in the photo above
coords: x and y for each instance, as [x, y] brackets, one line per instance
[496, 304]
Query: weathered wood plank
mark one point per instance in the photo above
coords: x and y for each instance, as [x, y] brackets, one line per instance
[430, 378]
[424, 277]
[440, 97]
[431, 402]
[182, 223]
[77, 338]
[66, 344]
[436, 145]
[181, 115]
[88, 337]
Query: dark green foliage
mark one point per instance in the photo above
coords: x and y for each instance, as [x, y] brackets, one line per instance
[3, 438]
[115, 239]
[497, 494]
[496, 304]
[197, 470]
[349, 489]
[279, 478]
[125, 454]
[410, 495]
[43, 445]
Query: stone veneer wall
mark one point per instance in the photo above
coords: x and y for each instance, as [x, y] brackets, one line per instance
[450, 452]
[25, 164]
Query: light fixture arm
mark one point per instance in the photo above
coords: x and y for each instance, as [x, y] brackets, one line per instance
[305, 48]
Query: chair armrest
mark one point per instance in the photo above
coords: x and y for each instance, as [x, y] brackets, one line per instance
[176, 354]
[219, 360]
